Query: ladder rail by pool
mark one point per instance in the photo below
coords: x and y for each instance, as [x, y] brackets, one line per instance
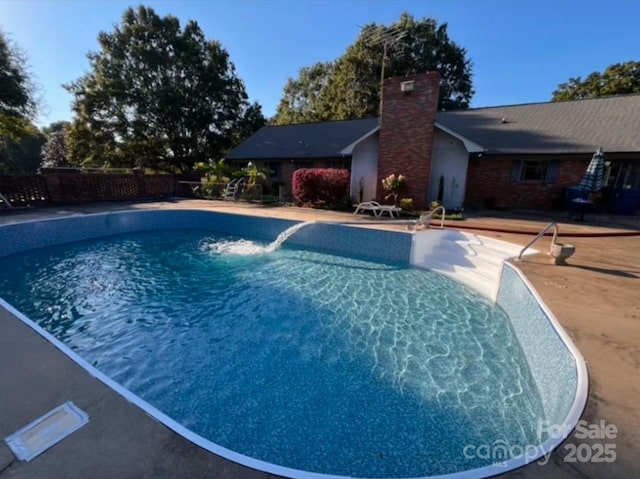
[426, 218]
[540, 235]
[232, 189]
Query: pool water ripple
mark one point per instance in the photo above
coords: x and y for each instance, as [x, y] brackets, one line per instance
[303, 359]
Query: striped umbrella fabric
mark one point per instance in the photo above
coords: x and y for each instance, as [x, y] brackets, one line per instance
[593, 179]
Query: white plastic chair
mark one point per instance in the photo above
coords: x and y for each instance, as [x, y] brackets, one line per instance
[377, 209]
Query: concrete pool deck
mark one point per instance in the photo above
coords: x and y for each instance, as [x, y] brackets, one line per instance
[595, 298]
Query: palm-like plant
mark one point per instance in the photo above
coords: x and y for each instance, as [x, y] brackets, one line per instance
[253, 173]
[220, 170]
[217, 171]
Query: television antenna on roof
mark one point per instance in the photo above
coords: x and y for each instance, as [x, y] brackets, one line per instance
[388, 37]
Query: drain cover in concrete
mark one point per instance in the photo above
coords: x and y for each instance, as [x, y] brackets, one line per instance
[44, 432]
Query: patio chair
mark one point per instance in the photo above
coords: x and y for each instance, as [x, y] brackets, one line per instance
[377, 209]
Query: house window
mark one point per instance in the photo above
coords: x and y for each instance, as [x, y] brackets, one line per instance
[275, 170]
[535, 171]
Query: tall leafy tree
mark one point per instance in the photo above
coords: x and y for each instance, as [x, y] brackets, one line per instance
[617, 79]
[251, 121]
[20, 140]
[21, 154]
[18, 102]
[350, 86]
[303, 97]
[56, 126]
[90, 145]
[157, 95]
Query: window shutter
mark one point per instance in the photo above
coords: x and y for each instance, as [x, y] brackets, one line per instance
[552, 172]
[515, 173]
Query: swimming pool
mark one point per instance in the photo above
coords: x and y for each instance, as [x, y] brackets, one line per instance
[350, 364]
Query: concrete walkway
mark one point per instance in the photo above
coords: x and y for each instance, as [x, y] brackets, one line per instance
[595, 299]
[120, 440]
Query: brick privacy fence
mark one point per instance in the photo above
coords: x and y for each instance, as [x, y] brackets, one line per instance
[70, 188]
[24, 190]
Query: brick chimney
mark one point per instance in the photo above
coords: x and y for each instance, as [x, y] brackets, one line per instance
[409, 106]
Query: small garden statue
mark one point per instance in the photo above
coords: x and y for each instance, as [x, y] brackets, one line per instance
[394, 184]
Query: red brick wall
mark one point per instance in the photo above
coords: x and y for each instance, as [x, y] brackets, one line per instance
[489, 177]
[287, 170]
[406, 133]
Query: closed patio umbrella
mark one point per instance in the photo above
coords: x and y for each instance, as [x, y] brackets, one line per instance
[593, 179]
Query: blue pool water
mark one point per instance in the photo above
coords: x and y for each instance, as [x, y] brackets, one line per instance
[298, 358]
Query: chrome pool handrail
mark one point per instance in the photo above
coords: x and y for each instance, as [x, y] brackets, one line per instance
[430, 214]
[540, 235]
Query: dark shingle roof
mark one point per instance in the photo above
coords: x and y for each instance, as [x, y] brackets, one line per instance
[306, 140]
[544, 128]
[559, 127]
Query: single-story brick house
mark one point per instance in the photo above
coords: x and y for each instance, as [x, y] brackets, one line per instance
[521, 156]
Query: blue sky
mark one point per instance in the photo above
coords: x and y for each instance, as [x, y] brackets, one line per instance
[521, 50]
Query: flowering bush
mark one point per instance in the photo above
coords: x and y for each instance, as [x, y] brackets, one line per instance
[319, 187]
[55, 151]
[394, 184]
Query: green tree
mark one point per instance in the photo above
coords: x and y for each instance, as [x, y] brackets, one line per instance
[215, 171]
[18, 102]
[250, 121]
[90, 145]
[617, 79]
[157, 95]
[21, 155]
[302, 100]
[56, 126]
[350, 86]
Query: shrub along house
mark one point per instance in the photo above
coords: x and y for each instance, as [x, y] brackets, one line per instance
[521, 156]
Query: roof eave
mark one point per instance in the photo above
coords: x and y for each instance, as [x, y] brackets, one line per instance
[348, 150]
[336, 156]
[470, 145]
